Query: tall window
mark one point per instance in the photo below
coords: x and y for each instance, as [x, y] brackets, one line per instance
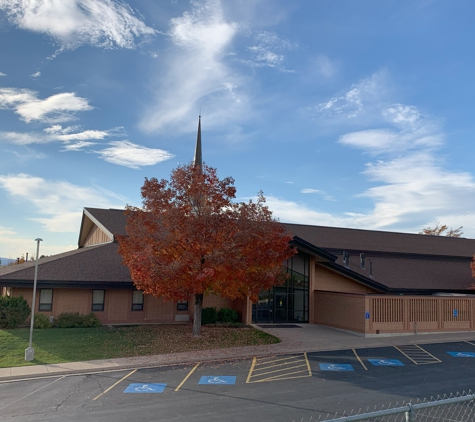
[137, 300]
[46, 300]
[98, 300]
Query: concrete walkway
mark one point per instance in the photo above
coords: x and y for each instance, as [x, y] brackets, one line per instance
[306, 338]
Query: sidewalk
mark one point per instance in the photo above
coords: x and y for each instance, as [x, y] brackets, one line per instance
[307, 338]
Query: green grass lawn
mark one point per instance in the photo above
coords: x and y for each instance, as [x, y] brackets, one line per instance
[57, 345]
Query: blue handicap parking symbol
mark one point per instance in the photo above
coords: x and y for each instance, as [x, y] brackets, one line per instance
[462, 354]
[217, 380]
[141, 388]
[336, 367]
[386, 362]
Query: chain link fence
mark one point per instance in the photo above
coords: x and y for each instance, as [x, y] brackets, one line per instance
[452, 408]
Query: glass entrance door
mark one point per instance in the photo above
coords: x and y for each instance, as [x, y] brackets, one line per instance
[280, 304]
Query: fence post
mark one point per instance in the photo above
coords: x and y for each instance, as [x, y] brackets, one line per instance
[409, 413]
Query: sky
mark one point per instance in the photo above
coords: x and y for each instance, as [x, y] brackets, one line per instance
[344, 113]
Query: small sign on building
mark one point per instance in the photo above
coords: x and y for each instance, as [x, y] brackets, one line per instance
[456, 313]
[366, 315]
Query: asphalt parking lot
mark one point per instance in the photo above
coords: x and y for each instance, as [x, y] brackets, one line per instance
[279, 388]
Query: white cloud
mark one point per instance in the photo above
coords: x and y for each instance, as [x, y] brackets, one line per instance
[267, 52]
[77, 146]
[362, 98]
[59, 204]
[57, 108]
[128, 154]
[56, 133]
[310, 190]
[2, 74]
[197, 76]
[377, 141]
[71, 23]
[36, 74]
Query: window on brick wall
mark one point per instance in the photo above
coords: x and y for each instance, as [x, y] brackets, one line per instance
[182, 305]
[46, 300]
[98, 300]
[137, 300]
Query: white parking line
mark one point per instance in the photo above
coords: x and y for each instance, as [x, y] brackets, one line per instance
[33, 392]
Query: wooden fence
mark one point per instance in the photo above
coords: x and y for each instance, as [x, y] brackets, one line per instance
[383, 314]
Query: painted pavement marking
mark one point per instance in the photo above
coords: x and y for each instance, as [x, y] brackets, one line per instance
[275, 369]
[417, 354]
[462, 354]
[345, 367]
[112, 386]
[473, 344]
[188, 376]
[217, 380]
[359, 359]
[386, 362]
[33, 392]
[141, 388]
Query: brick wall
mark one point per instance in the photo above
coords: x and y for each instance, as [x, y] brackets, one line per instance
[340, 310]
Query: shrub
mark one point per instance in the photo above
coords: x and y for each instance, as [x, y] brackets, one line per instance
[227, 315]
[42, 321]
[74, 320]
[90, 320]
[13, 311]
[209, 316]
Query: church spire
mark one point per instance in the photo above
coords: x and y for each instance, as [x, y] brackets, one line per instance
[198, 161]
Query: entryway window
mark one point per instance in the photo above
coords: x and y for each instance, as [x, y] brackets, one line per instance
[137, 300]
[98, 300]
[46, 300]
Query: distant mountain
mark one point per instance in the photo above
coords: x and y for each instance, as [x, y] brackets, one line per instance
[5, 261]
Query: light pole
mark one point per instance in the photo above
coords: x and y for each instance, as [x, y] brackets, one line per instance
[30, 352]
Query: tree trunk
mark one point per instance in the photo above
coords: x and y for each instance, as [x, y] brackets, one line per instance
[197, 315]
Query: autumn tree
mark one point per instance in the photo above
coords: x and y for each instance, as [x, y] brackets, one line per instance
[442, 230]
[190, 238]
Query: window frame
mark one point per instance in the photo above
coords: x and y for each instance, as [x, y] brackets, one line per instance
[45, 306]
[97, 306]
[137, 306]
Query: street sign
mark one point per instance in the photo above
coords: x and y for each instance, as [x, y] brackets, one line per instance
[462, 354]
[386, 362]
[217, 380]
[140, 388]
[336, 367]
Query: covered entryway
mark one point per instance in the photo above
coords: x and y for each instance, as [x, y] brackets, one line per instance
[289, 301]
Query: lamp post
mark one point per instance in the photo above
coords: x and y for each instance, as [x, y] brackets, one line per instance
[30, 352]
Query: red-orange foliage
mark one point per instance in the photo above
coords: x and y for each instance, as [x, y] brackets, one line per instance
[190, 238]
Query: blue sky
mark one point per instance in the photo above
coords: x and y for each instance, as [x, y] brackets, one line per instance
[348, 113]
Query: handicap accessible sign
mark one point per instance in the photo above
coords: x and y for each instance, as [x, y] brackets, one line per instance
[336, 367]
[217, 380]
[462, 354]
[137, 388]
[386, 362]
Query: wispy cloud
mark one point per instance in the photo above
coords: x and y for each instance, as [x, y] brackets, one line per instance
[2, 74]
[128, 154]
[59, 203]
[411, 186]
[267, 51]
[57, 108]
[56, 133]
[36, 74]
[197, 74]
[310, 190]
[100, 23]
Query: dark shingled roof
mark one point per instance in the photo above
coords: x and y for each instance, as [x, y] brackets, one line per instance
[112, 219]
[335, 238]
[93, 265]
[401, 262]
